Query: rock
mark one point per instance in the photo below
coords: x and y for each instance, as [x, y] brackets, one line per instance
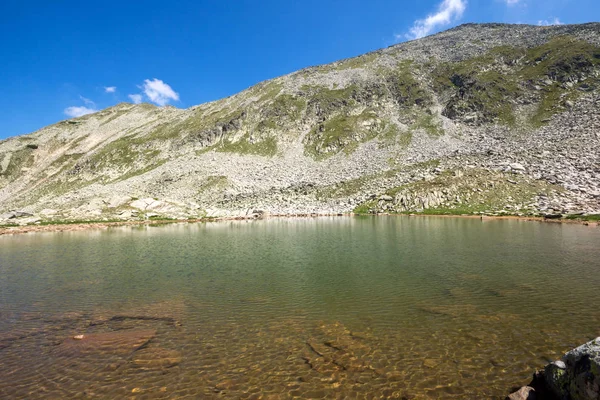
[517, 167]
[385, 197]
[156, 357]
[48, 212]
[117, 201]
[525, 393]
[15, 214]
[29, 220]
[430, 363]
[577, 375]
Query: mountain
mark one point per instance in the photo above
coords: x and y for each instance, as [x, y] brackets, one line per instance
[482, 118]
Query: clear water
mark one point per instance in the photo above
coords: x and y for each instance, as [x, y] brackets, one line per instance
[387, 307]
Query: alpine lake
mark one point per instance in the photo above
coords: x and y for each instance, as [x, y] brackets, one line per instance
[346, 308]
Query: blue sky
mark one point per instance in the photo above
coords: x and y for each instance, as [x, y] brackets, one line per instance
[63, 58]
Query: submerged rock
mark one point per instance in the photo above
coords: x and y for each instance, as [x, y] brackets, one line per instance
[121, 342]
[156, 357]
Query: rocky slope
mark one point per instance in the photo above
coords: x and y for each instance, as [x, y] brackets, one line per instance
[486, 119]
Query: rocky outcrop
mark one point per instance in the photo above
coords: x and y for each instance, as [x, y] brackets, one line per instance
[576, 376]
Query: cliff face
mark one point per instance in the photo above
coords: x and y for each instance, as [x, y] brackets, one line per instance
[478, 119]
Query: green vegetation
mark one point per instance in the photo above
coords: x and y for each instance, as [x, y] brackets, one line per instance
[467, 192]
[136, 172]
[213, 182]
[561, 58]
[344, 132]
[325, 101]
[404, 87]
[350, 63]
[489, 84]
[584, 217]
[266, 147]
[286, 106]
[267, 91]
[392, 135]
[19, 159]
[115, 115]
[123, 153]
[552, 98]
[66, 161]
[428, 123]
[77, 221]
[284, 109]
[489, 93]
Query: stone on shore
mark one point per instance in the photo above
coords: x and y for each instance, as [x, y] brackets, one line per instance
[525, 393]
[577, 375]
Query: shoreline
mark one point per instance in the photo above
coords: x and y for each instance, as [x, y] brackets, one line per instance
[81, 226]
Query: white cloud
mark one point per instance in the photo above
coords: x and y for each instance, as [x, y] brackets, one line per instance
[110, 89]
[447, 12]
[74, 112]
[136, 98]
[512, 2]
[87, 101]
[546, 22]
[159, 92]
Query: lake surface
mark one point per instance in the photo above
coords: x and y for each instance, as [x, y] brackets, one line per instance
[400, 307]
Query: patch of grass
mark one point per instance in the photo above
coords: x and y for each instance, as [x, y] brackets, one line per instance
[392, 135]
[489, 84]
[428, 123]
[323, 101]
[136, 172]
[286, 106]
[19, 159]
[469, 192]
[561, 58]
[489, 93]
[587, 217]
[115, 115]
[267, 90]
[343, 133]
[365, 208]
[213, 182]
[404, 87]
[123, 153]
[551, 99]
[266, 147]
[351, 63]
[77, 221]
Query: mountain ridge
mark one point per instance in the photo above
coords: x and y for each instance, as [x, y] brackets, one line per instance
[414, 127]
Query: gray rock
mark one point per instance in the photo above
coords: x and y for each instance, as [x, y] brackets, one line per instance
[517, 167]
[577, 375]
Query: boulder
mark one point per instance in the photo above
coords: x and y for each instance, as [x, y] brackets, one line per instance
[517, 167]
[122, 342]
[577, 375]
[118, 200]
[156, 357]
